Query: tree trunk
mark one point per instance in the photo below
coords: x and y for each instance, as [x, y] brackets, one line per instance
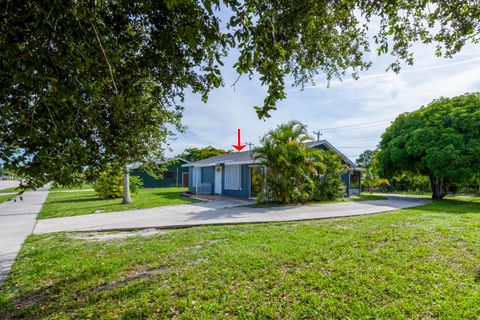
[438, 191]
[127, 199]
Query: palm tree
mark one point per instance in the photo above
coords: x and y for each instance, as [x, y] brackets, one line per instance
[371, 178]
[291, 165]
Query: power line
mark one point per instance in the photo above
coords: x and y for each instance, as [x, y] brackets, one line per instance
[366, 126]
[363, 124]
[362, 141]
[360, 147]
[250, 145]
[318, 134]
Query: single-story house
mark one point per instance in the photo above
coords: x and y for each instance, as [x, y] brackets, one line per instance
[238, 174]
[175, 176]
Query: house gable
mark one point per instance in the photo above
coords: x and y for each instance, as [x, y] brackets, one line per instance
[325, 145]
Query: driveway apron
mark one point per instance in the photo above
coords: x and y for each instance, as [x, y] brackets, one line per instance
[224, 212]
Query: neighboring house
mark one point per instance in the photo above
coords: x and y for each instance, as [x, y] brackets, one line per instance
[175, 176]
[238, 174]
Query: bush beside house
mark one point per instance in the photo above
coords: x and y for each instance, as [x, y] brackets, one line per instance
[295, 172]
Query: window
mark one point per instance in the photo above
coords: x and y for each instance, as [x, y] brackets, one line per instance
[169, 175]
[233, 177]
[196, 177]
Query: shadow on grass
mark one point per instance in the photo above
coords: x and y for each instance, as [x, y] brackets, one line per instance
[450, 206]
[168, 195]
[44, 302]
[29, 302]
[171, 195]
[75, 200]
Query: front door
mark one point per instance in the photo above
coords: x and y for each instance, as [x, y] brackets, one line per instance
[218, 180]
[185, 179]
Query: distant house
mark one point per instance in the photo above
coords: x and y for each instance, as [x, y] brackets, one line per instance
[175, 176]
[238, 174]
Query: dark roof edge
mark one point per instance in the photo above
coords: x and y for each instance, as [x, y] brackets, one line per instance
[137, 165]
[206, 162]
[325, 142]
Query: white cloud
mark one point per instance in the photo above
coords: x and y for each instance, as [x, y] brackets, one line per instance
[376, 96]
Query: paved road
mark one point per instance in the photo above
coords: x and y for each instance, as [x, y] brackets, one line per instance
[216, 212]
[17, 220]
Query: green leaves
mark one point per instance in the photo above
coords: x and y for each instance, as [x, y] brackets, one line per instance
[195, 154]
[294, 169]
[86, 85]
[439, 140]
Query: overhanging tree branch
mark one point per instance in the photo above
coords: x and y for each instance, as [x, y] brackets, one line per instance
[105, 56]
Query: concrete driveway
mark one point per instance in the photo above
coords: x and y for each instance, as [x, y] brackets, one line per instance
[218, 212]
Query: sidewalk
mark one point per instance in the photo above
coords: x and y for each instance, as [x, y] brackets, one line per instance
[211, 213]
[4, 184]
[17, 220]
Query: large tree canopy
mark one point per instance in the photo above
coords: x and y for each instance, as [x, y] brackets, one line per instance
[440, 140]
[195, 154]
[91, 83]
[366, 158]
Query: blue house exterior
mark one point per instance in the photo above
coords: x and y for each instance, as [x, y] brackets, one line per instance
[235, 174]
[228, 174]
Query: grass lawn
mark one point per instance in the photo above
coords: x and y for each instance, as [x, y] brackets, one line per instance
[6, 197]
[12, 189]
[420, 263]
[365, 197]
[75, 187]
[63, 204]
[427, 195]
[360, 197]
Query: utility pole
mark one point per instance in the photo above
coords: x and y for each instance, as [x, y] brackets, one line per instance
[249, 144]
[318, 133]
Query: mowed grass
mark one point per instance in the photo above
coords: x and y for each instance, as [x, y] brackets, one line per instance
[365, 197]
[421, 263]
[8, 190]
[64, 204]
[7, 197]
[359, 197]
[74, 187]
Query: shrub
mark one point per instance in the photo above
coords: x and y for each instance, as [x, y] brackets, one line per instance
[110, 184]
[289, 163]
[296, 173]
[136, 183]
[328, 188]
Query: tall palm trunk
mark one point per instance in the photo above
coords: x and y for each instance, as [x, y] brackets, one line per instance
[127, 199]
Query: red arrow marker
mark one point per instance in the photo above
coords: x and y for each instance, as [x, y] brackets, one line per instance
[239, 146]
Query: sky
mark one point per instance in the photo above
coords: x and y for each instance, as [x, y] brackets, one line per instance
[351, 114]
